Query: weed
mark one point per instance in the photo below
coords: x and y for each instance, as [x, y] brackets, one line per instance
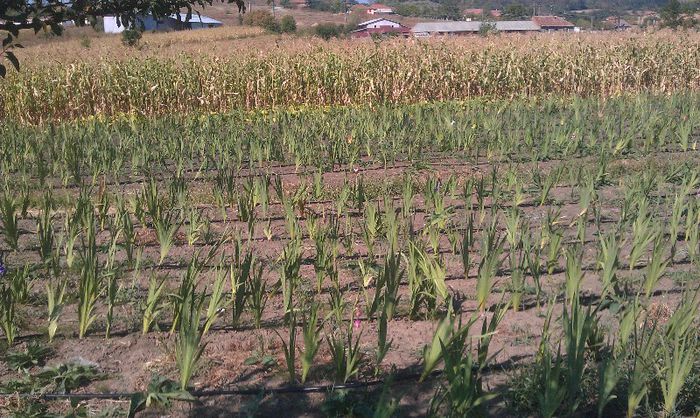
[34, 355]
[160, 393]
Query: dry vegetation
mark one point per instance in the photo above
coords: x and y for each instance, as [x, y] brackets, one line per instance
[310, 72]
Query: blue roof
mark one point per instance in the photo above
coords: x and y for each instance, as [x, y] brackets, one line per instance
[197, 19]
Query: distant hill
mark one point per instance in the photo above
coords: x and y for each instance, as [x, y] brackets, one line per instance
[554, 6]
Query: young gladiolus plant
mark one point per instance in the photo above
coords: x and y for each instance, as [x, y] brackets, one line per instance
[289, 276]
[678, 358]
[55, 293]
[188, 342]
[290, 348]
[8, 322]
[217, 299]
[346, 353]
[491, 249]
[166, 227]
[153, 305]
[90, 284]
[445, 333]
[312, 339]
[10, 218]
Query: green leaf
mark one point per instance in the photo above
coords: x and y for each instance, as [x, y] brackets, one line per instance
[268, 361]
[136, 404]
[13, 12]
[13, 59]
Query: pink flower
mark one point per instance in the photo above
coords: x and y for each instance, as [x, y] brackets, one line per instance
[357, 322]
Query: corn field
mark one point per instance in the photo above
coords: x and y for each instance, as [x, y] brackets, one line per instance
[413, 72]
[503, 234]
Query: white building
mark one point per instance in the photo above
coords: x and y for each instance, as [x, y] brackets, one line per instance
[378, 23]
[380, 9]
[425, 29]
[150, 23]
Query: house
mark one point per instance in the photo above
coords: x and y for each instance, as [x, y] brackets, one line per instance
[358, 9]
[445, 28]
[648, 18]
[473, 27]
[517, 26]
[113, 25]
[297, 4]
[616, 23]
[196, 22]
[382, 31]
[379, 27]
[150, 23]
[553, 23]
[379, 23]
[380, 9]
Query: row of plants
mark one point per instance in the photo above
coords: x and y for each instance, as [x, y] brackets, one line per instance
[225, 147]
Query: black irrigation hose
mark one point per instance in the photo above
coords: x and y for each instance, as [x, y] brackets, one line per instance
[392, 379]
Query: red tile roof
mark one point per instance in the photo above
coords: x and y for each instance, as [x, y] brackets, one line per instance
[379, 6]
[473, 11]
[552, 22]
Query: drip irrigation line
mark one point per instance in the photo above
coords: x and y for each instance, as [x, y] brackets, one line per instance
[392, 379]
[246, 170]
[270, 325]
[433, 159]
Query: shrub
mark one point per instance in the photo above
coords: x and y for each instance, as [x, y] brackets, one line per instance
[288, 24]
[326, 6]
[262, 18]
[487, 28]
[327, 31]
[131, 37]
